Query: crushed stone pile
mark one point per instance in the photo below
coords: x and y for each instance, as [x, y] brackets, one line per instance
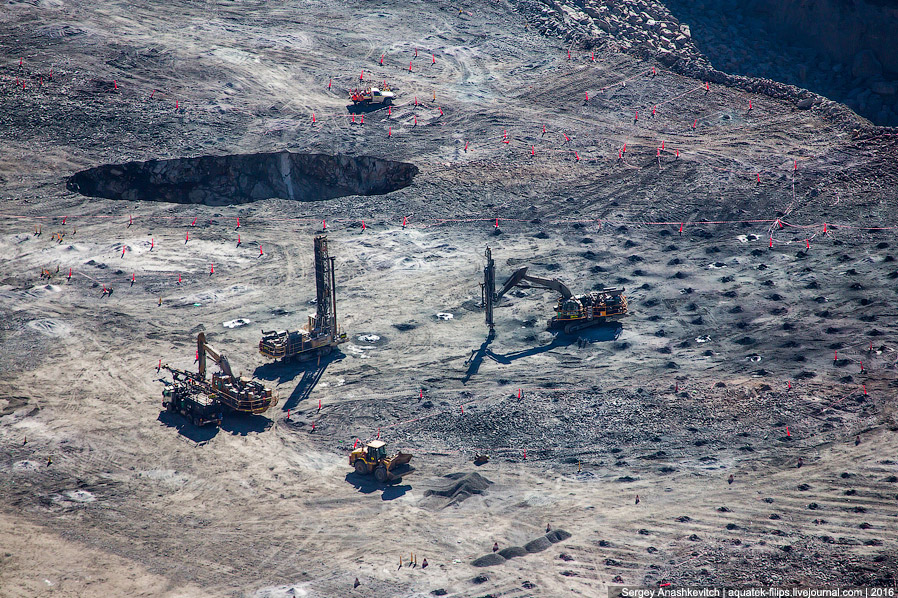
[461, 486]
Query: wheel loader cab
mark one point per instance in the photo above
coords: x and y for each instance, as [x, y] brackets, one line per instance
[377, 451]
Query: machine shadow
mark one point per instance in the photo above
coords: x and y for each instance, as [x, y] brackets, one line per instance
[364, 108]
[597, 334]
[312, 371]
[242, 424]
[368, 485]
[197, 434]
[284, 371]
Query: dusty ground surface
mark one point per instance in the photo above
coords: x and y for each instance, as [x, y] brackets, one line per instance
[726, 366]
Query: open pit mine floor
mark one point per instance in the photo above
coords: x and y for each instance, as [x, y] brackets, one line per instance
[748, 400]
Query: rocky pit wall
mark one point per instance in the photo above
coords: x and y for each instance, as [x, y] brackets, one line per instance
[237, 179]
[741, 44]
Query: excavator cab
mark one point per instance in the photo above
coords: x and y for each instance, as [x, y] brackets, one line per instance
[570, 308]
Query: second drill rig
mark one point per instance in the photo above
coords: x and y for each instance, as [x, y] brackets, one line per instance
[321, 334]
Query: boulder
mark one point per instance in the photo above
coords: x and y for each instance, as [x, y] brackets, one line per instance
[885, 88]
[865, 65]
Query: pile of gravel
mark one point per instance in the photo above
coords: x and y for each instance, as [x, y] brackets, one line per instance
[537, 545]
[513, 551]
[488, 560]
[461, 486]
[557, 535]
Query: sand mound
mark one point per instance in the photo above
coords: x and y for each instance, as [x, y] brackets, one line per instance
[513, 551]
[460, 486]
[538, 545]
[487, 560]
[557, 535]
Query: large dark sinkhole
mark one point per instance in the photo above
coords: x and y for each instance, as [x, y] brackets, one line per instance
[242, 178]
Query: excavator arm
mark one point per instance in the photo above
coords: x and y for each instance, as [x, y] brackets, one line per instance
[520, 276]
[554, 284]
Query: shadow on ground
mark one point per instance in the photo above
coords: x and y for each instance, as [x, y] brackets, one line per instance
[365, 108]
[241, 424]
[198, 434]
[312, 370]
[597, 334]
[366, 484]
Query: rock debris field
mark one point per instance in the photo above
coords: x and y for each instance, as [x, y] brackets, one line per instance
[165, 168]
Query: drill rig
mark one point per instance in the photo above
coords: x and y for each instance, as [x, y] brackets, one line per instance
[572, 313]
[321, 334]
[238, 393]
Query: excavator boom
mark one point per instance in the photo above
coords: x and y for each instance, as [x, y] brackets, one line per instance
[554, 284]
[572, 313]
[521, 275]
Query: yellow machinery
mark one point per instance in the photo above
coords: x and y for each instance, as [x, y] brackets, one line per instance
[572, 312]
[321, 334]
[239, 393]
[373, 458]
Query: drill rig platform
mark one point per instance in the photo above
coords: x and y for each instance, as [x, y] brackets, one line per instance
[321, 334]
[237, 393]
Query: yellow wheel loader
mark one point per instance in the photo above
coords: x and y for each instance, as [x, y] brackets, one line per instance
[372, 458]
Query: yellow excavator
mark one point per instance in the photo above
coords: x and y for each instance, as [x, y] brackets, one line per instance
[373, 458]
[572, 312]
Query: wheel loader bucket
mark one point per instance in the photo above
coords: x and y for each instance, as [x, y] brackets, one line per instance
[400, 459]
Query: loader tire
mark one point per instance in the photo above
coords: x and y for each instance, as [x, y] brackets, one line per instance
[381, 474]
[361, 467]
